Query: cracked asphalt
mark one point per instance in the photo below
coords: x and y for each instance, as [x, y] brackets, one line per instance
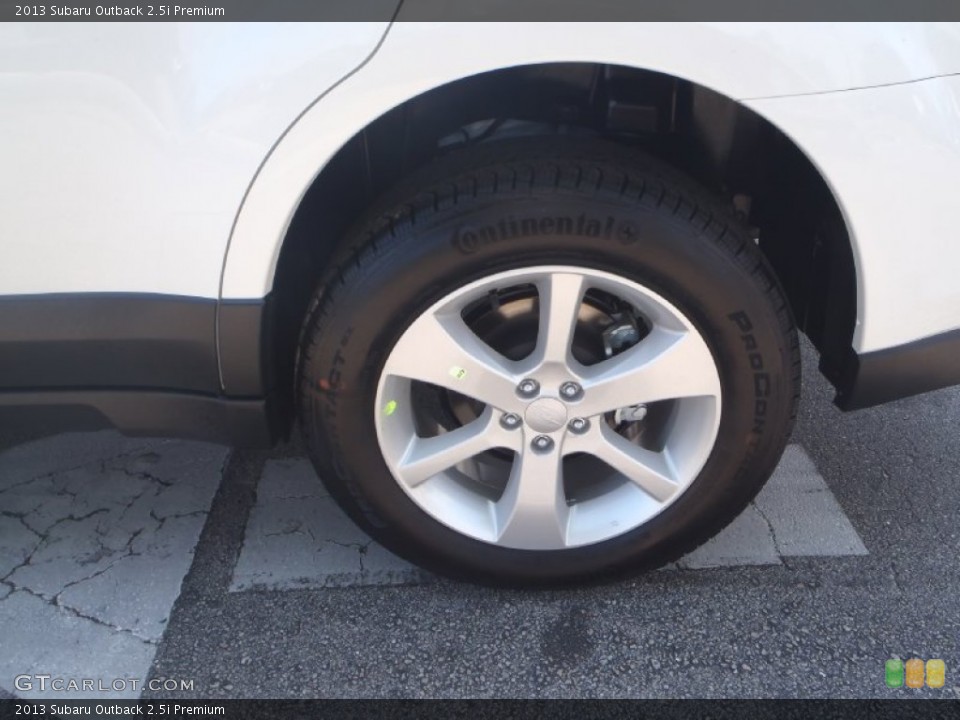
[798, 626]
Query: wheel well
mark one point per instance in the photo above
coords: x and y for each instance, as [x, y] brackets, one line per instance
[725, 146]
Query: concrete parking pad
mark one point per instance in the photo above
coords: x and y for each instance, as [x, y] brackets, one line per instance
[795, 515]
[40, 639]
[298, 538]
[96, 534]
[804, 517]
[748, 540]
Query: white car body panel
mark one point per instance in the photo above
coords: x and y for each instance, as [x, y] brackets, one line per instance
[892, 158]
[170, 158]
[133, 144]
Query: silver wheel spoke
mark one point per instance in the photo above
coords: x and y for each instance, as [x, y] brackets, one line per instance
[440, 349]
[665, 365]
[560, 297]
[648, 470]
[427, 457]
[532, 513]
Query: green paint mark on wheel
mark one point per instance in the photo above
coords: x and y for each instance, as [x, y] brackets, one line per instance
[458, 372]
[390, 408]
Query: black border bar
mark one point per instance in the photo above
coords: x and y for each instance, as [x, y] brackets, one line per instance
[485, 10]
[513, 709]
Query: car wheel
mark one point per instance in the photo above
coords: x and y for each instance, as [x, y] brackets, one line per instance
[545, 362]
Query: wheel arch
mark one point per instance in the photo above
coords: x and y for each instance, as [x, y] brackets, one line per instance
[343, 152]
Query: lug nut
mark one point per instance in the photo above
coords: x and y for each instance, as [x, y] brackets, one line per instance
[528, 388]
[579, 425]
[511, 421]
[570, 391]
[541, 443]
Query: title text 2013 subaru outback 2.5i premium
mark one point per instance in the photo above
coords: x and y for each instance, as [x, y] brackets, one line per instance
[531, 294]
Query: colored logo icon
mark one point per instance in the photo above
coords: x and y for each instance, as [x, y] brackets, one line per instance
[894, 673]
[914, 668]
[936, 673]
[911, 673]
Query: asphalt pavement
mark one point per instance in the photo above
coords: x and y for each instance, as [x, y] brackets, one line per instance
[230, 573]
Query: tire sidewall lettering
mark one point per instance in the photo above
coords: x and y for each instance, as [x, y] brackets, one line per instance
[761, 378]
[472, 238]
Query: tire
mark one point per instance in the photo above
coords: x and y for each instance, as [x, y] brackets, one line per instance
[511, 221]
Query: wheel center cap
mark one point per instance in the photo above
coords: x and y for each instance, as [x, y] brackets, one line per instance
[546, 415]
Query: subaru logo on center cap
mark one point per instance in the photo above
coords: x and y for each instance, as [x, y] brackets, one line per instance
[546, 415]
